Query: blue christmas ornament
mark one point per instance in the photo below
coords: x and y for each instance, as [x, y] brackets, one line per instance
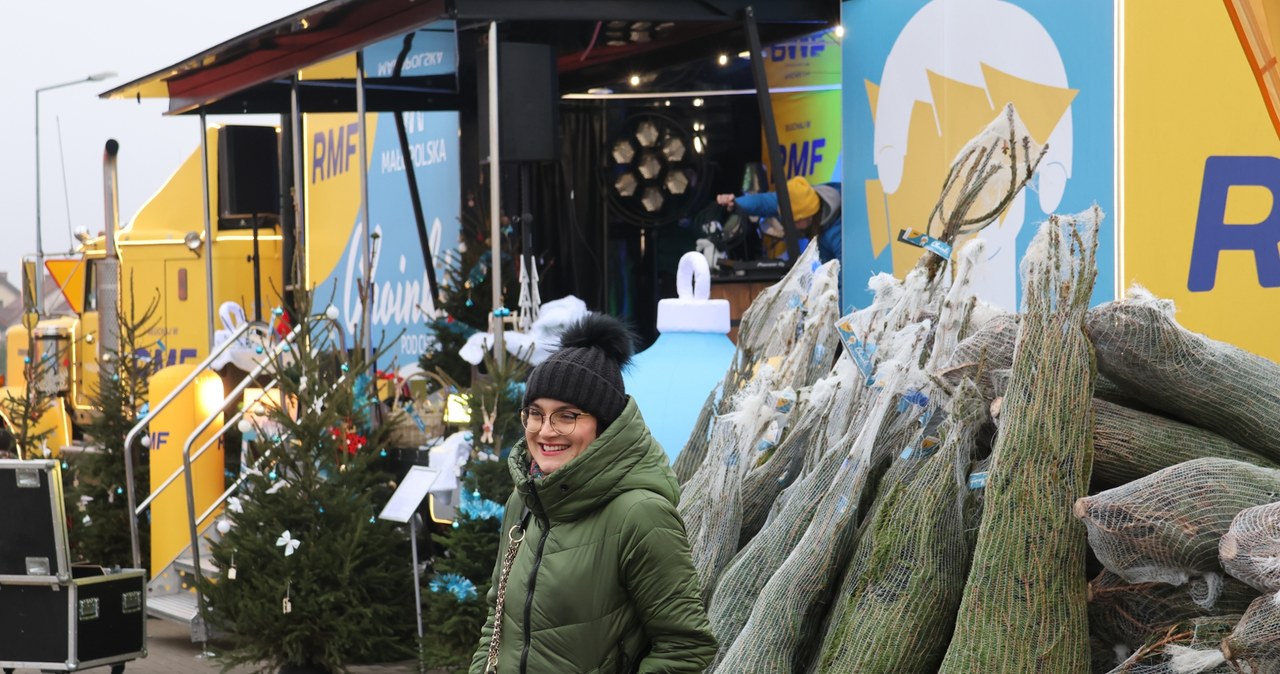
[475, 508]
[455, 524]
[345, 367]
[119, 490]
[382, 453]
[285, 348]
[694, 341]
[272, 475]
[257, 349]
[459, 586]
[277, 311]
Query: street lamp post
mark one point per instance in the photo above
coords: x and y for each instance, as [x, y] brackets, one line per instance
[39, 271]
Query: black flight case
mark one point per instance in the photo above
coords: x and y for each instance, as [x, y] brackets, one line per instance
[56, 617]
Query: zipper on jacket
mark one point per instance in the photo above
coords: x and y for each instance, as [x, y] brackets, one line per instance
[624, 666]
[533, 574]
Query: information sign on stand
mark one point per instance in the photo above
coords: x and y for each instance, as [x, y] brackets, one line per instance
[403, 507]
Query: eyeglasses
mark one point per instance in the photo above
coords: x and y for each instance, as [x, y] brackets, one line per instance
[562, 422]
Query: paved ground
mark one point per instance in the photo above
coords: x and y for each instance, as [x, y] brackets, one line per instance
[170, 651]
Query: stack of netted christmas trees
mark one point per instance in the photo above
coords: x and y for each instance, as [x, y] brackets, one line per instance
[939, 498]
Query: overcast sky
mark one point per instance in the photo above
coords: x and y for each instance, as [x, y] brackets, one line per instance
[47, 43]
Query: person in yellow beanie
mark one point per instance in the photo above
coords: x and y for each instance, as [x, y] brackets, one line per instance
[814, 208]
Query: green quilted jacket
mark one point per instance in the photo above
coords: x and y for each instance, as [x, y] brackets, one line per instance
[603, 582]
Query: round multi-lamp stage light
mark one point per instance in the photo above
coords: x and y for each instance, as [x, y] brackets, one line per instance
[655, 170]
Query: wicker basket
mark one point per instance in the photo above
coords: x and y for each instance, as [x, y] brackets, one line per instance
[415, 421]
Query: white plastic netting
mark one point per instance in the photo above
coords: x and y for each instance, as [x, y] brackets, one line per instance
[1165, 528]
[1250, 550]
[1254, 645]
[1130, 444]
[1135, 615]
[1185, 375]
[1187, 647]
[785, 616]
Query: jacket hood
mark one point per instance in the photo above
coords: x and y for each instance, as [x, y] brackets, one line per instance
[625, 457]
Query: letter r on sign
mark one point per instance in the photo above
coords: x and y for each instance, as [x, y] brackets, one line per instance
[1213, 234]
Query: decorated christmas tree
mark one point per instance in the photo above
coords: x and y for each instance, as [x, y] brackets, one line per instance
[309, 575]
[95, 479]
[454, 604]
[466, 293]
[460, 573]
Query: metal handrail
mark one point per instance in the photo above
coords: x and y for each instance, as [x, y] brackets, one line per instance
[239, 415]
[142, 423]
[276, 350]
[209, 443]
[240, 480]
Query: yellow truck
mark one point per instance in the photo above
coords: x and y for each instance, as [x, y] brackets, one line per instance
[160, 257]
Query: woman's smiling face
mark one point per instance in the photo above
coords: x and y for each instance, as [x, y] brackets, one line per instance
[551, 448]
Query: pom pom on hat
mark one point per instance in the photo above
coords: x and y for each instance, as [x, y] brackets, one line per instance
[587, 370]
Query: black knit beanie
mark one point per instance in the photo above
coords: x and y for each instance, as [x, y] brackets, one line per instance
[587, 370]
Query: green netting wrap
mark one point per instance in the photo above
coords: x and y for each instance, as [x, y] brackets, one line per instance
[1188, 647]
[695, 448]
[1137, 614]
[1186, 375]
[1165, 528]
[740, 586]
[1129, 445]
[785, 463]
[711, 502]
[786, 616]
[898, 602]
[1250, 550]
[1254, 645]
[789, 325]
[1024, 606]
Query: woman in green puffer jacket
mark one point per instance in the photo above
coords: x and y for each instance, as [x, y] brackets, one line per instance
[601, 581]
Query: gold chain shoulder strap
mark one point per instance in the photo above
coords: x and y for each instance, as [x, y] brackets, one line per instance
[515, 536]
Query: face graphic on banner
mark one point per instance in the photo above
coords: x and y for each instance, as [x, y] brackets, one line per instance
[950, 72]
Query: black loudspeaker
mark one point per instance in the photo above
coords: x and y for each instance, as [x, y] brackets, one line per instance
[248, 176]
[528, 110]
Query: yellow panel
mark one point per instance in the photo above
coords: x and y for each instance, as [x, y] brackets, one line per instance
[175, 208]
[873, 94]
[1247, 205]
[877, 218]
[333, 187]
[1190, 94]
[1040, 106]
[170, 428]
[337, 68]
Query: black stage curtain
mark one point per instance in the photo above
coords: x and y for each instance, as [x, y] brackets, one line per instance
[568, 208]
